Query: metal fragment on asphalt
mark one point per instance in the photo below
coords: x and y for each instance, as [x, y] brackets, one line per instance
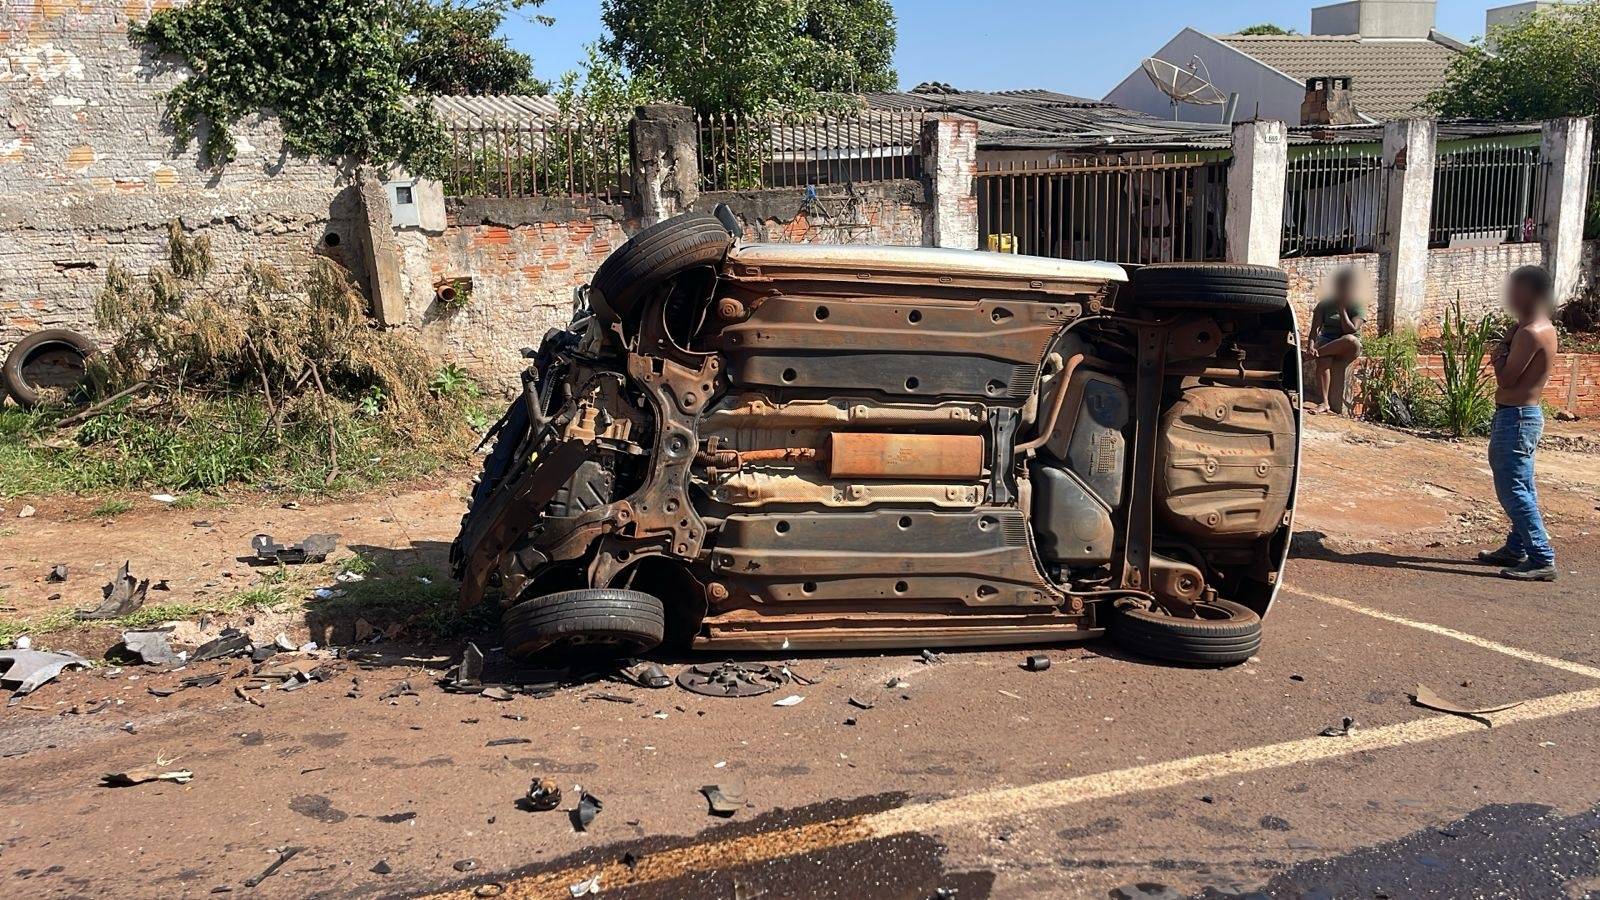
[724, 799]
[1343, 729]
[1427, 698]
[26, 670]
[588, 807]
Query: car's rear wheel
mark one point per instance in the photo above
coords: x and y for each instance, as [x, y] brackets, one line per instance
[594, 623]
[653, 256]
[1222, 633]
[1210, 286]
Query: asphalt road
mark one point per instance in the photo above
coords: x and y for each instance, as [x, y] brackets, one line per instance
[1104, 773]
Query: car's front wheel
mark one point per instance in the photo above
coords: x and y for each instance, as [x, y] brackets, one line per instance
[597, 623]
[1221, 633]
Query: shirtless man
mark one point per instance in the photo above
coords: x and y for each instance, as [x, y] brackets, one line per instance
[1333, 341]
[1522, 364]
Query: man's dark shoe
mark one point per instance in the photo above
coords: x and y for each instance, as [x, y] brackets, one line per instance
[1530, 571]
[1502, 557]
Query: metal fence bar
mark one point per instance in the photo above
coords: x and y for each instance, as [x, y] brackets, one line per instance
[581, 160]
[784, 150]
[1490, 192]
[1148, 208]
[1333, 197]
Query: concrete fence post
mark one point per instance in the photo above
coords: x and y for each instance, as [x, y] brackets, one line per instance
[665, 164]
[1255, 192]
[950, 166]
[1410, 148]
[1565, 146]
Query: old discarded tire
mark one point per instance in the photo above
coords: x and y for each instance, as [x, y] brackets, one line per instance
[653, 256]
[45, 360]
[1223, 634]
[600, 622]
[1216, 286]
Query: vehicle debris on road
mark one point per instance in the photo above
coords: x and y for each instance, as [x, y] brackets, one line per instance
[1425, 697]
[724, 799]
[146, 774]
[231, 642]
[152, 648]
[58, 574]
[791, 700]
[1343, 729]
[1036, 663]
[731, 679]
[587, 886]
[314, 549]
[124, 595]
[26, 670]
[543, 795]
[284, 856]
[584, 813]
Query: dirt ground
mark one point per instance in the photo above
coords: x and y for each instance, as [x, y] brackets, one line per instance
[970, 776]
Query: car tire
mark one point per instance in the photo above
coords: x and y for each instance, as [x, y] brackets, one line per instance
[13, 375]
[653, 256]
[597, 622]
[1227, 634]
[1210, 286]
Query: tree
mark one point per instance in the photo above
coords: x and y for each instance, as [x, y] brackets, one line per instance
[1545, 66]
[747, 55]
[450, 47]
[1266, 28]
[345, 77]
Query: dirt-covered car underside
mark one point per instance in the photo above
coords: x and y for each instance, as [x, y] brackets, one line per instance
[790, 446]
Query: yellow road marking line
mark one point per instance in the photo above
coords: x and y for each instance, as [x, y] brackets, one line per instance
[971, 808]
[1474, 640]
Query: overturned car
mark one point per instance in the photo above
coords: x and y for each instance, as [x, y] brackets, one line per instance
[772, 446]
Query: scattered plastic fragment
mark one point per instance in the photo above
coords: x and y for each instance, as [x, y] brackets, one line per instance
[58, 573]
[26, 670]
[587, 886]
[471, 669]
[648, 675]
[1343, 729]
[314, 549]
[464, 865]
[507, 742]
[381, 867]
[859, 704]
[163, 498]
[495, 693]
[724, 799]
[588, 807]
[231, 642]
[1425, 697]
[124, 595]
[248, 697]
[543, 795]
[153, 648]
[145, 774]
[284, 856]
[27, 512]
[1036, 663]
[403, 689]
[928, 657]
[730, 679]
[791, 700]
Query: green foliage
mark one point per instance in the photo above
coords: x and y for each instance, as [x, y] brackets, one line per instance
[114, 506]
[450, 47]
[1266, 28]
[753, 55]
[344, 76]
[1466, 393]
[1392, 391]
[1543, 67]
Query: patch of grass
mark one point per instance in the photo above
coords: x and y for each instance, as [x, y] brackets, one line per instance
[265, 596]
[114, 506]
[418, 596]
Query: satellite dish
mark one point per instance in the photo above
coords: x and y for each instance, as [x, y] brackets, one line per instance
[1183, 85]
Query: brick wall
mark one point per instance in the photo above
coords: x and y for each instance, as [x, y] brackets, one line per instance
[1574, 382]
[89, 174]
[525, 257]
[1477, 274]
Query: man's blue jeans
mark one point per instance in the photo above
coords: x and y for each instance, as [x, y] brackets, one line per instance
[1512, 440]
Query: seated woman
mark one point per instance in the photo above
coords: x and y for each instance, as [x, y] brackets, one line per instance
[1333, 341]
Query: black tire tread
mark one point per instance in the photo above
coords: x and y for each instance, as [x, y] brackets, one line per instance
[656, 254]
[1204, 641]
[11, 377]
[1222, 286]
[534, 625]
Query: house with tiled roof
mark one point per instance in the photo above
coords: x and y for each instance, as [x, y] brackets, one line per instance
[1381, 57]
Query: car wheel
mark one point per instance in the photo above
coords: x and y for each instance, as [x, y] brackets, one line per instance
[1210, 286]
[599, 622]
[1223, 633]
[60, 351]
[652, 256]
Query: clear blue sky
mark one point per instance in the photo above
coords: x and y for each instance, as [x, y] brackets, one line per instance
[1079, 47]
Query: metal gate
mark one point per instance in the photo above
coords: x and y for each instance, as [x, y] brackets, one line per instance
[1129, 209]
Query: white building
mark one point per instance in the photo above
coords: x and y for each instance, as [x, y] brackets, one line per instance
[1389, 49]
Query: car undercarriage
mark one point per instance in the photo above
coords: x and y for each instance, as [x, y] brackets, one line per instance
[789, 447]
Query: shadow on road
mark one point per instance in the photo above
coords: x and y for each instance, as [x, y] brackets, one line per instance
[1313, 545]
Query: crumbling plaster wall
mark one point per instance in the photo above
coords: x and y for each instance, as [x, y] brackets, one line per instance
[89, 172]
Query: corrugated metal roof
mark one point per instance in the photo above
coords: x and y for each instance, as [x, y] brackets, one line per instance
[1390, 78]
[1047, 119]
[494, 109]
